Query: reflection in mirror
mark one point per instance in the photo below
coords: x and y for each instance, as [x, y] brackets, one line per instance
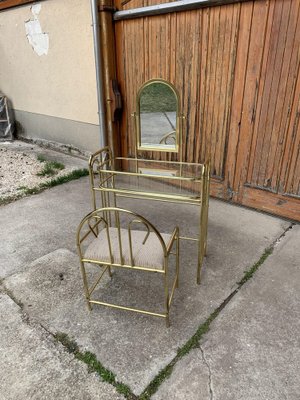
[158, 109]
[161, 172]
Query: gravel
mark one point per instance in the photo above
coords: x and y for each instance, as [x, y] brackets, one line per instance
[19, 168]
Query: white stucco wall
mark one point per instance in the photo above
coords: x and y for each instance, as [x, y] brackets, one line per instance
[62, 83]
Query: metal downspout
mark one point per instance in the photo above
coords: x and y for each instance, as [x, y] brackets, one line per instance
[99, 73]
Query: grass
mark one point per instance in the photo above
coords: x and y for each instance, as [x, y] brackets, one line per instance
[78, 173]
[248, 274]
[194, 342]
[24, 190]
[41, 158]
[191, 344]
[108, 376]
[94, 365]
[50, 168]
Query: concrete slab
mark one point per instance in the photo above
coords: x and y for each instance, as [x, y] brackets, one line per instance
[252, 350]
[194, 385]
[34, 367]
[38, 224]
[136, 347]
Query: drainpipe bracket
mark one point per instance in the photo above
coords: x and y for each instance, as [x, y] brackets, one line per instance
[106, 5]
[103, 8]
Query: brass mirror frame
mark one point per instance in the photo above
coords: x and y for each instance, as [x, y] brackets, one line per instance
[162, 148]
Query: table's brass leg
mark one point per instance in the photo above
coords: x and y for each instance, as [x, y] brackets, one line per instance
[201, 225]
[177, 261]
[205, 231]
[207, 181]
[203, 219]
[167, 305]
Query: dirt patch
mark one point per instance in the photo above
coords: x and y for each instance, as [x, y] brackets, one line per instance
[24, 167]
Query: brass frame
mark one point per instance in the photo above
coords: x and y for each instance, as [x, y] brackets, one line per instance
[102, 164]
[137, 121]
[104, 216]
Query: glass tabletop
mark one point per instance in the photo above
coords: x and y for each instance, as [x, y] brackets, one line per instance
[156, 179]
[164, 169]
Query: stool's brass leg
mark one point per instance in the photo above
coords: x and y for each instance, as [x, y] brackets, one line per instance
[85, 284]
[200, 260]
[167, 321]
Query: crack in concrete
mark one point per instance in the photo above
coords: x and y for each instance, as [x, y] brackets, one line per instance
[278, 240]
[28, 319]
[9, 293]
[209, 373]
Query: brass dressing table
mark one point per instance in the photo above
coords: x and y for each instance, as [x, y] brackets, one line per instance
[158, 124]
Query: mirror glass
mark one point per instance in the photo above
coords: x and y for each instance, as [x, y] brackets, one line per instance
[158, 109]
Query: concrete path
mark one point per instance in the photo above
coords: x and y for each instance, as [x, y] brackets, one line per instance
[252, 351]
[36, 225]
[40, 268]
[33, 366]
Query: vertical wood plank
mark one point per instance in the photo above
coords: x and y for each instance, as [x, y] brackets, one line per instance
[245, 20]
[217, 102]
[192, 114]
[201, 106]
[254, 62]
[260, 91]
[266, 94]
[289, 167]
[226, 17]
[229, 90]
[263, 179]
[286, 95]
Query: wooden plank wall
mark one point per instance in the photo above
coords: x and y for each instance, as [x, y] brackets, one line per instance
[236, 67]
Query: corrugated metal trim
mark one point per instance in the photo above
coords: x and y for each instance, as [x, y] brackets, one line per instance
[174, 6]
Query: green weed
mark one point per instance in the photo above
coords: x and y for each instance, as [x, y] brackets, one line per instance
[51, 168]
[194, 341]
[248, 274]
[94, 365]
[78, 173]
[41, 158]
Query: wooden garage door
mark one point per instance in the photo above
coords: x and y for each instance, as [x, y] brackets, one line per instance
[236, 67]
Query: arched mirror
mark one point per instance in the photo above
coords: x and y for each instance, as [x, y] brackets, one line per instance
[157, 117]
